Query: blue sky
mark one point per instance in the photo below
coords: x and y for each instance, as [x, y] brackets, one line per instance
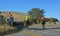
[51, 7]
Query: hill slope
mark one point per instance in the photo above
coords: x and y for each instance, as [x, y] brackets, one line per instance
[17, 15]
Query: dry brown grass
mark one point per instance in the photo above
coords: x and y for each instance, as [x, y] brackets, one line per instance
[17, 16]
[7, 29]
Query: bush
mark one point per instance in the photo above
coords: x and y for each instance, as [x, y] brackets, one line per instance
[35, 21]
[6, 29]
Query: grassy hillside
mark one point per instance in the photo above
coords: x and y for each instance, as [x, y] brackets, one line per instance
[17, 15]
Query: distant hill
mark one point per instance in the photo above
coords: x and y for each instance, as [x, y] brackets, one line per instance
[18, 16]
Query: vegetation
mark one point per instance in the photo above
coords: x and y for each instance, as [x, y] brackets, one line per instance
[17, 16]
[36, 13]
[55, 19]
[7, 29]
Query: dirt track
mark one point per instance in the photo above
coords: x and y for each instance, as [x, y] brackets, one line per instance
[36, 30]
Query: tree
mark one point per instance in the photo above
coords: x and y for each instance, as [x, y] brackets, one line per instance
[55, 19]
[0, 12]
[47, 19]
[36, 13]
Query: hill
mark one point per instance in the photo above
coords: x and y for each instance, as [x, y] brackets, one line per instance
[18, 16]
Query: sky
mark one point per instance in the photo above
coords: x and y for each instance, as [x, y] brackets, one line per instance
[51, 7]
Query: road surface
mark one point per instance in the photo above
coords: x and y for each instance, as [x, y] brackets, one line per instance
[36, 30]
